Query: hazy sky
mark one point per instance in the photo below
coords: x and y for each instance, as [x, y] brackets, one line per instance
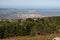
[29, 3]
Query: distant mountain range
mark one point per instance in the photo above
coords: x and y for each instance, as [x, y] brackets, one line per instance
[12, 13]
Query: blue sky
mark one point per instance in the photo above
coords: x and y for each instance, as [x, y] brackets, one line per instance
[29, 3]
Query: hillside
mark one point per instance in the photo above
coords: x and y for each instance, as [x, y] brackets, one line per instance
[29, 27]
[39, 37]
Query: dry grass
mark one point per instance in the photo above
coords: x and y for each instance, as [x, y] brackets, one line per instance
[45, 37]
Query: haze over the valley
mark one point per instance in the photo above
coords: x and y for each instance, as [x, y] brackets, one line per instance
[12, 13]
[16, 9]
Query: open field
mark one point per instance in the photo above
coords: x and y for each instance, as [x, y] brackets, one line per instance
[44, 37]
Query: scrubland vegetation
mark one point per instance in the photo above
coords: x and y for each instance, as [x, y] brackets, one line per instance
[29, 27]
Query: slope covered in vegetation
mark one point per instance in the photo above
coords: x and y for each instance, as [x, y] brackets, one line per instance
[29, 26]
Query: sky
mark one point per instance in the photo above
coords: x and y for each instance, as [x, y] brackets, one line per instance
[29, 3]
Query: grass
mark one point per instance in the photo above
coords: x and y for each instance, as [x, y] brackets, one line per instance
[38, 37]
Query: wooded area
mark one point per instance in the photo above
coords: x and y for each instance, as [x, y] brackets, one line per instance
[29, 26]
